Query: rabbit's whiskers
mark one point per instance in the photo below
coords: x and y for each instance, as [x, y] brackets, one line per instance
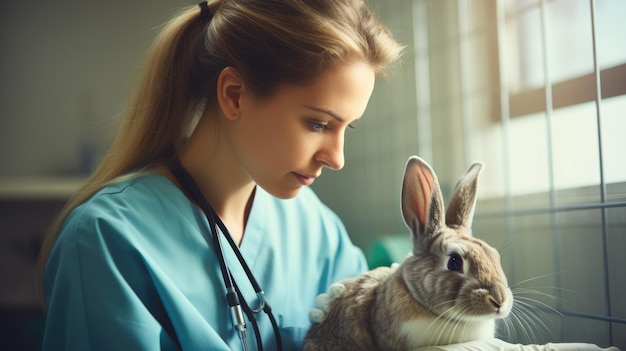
[516, 285]
[437, 306]
[448, 316]
[528, 315]
[451, 326]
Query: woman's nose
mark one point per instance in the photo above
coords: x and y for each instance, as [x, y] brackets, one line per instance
[331, 153]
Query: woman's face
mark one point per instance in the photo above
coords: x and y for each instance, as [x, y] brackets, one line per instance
[282, 142]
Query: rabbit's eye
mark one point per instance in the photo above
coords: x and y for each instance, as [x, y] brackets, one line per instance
[455, 263]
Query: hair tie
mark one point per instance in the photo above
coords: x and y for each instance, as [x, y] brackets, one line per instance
[205, 11]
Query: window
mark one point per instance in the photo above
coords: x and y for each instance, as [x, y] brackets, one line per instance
[550, 56]
[511, 83]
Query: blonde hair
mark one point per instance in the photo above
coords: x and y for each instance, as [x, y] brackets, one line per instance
[270, 42]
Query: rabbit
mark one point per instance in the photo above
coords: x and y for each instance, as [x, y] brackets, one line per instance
[450, 289]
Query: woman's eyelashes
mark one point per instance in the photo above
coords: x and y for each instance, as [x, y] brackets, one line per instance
[320, 126]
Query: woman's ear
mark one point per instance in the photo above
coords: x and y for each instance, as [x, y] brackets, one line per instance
[229, 91]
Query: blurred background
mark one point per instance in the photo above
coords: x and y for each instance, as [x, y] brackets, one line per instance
[534, 89]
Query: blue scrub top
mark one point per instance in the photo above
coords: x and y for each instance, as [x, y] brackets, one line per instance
[134, 269]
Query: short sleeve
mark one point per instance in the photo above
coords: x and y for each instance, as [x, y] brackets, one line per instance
[92, 303]
[102, 293]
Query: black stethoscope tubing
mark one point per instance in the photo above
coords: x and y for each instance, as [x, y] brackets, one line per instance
[233, 293]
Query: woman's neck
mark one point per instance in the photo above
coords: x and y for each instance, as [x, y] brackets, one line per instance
[212, 166]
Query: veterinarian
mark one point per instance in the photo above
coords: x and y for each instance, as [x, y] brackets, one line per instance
[198, 231]
[240, 107]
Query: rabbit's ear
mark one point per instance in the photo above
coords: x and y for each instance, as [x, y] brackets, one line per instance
[422, 203]
[461, 208]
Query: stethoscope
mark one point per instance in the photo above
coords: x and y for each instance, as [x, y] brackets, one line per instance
[236, 302]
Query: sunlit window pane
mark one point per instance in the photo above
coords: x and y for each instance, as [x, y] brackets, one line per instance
[575, 146]
[528, 155]
[519, 4]
[569, 39]
[524, 51]
[611, 32]
[613, 139]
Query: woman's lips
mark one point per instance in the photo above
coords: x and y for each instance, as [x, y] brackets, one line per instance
[305, 180]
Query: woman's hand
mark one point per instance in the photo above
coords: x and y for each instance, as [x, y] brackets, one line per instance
[322, 302]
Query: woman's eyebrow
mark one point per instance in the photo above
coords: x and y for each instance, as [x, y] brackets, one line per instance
[328, 112]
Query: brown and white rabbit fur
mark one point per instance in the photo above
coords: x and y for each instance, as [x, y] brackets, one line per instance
[450, 289]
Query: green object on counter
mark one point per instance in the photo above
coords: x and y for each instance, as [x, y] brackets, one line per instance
[389, 249]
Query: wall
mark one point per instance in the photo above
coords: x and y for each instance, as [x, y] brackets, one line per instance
[66, 68]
